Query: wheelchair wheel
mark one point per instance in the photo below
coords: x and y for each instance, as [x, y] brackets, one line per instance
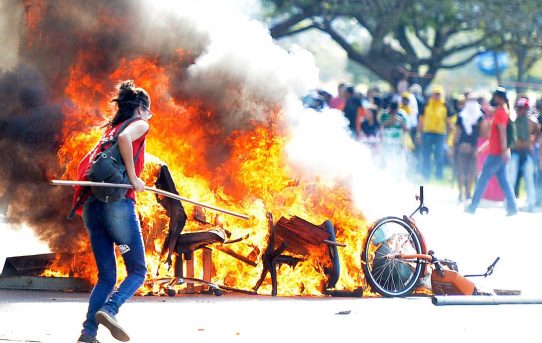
[171, 292]
[385, 273]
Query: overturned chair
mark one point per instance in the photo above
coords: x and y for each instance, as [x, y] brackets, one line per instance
[290, 242]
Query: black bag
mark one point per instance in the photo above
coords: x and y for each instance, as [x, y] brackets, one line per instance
[511, 134]
[108, 167]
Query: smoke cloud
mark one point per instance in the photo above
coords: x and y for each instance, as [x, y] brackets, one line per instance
[229, 64]
[9, 38]
[321, 147]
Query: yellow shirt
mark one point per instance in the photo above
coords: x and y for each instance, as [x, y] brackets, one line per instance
[405, 108]
[434, 117]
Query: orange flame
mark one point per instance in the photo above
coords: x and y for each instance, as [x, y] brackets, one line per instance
[253, 180]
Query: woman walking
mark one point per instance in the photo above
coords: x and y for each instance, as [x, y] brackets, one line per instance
[116, 222]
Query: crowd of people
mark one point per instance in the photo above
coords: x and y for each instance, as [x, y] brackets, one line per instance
[490, 145]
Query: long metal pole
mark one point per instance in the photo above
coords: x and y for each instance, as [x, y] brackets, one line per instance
[150, 189]
[441, 300]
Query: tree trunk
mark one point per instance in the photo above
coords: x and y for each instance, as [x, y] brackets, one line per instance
[497, 68]
[520, 64]
[426, 81]
[390, 71]
[282, 28]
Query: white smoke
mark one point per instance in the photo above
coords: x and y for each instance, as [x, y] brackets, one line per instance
[241, 49]
[320, 146]
[9, 37]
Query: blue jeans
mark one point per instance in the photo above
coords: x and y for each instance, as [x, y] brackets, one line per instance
[107, 225]
[528, 175]
[494, 165]
[433, 143]
[538, 175]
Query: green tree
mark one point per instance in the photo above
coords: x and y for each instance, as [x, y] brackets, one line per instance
[413, 39]
[519, 24]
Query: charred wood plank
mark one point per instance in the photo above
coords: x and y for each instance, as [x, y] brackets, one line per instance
[236, 255]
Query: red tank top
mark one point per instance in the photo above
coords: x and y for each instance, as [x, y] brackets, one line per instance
[85, 162]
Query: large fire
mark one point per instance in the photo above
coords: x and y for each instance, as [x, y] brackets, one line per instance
[242, 169]
[256, 179]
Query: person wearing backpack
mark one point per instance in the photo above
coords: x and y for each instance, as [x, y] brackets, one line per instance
[115, 222]
[522, 159]
[498, 157]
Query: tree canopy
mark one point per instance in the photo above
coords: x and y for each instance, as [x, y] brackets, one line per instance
[519, 27]
[415, 39]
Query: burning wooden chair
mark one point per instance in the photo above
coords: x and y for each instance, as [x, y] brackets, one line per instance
[187, 244]
[291, 241]
[183, 245]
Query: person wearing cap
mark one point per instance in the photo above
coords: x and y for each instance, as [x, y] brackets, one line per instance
[432, 131]
[522, 158]
[416, 90]
[497, 158]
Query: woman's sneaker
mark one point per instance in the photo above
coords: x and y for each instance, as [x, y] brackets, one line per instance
[108, 320]
[87, 339]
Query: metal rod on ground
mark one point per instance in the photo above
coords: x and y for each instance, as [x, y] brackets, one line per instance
[232, 289]
[236, 255]
[150, 189]
[440, 300]
[337, 244]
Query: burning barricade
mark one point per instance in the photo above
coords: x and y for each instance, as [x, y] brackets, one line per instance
[223, 136]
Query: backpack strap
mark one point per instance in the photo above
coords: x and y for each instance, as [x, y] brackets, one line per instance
[138, 151]
[86, 189]
[124, 125]
[115, 138]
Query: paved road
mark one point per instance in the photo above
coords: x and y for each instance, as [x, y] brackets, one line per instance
[31, 316]
[472, 241]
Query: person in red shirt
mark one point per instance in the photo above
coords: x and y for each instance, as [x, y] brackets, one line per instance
[498, 157]
[116, 223]
[338, 101]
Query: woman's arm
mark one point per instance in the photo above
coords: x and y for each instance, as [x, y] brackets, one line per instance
[133, 132]
[505, 151]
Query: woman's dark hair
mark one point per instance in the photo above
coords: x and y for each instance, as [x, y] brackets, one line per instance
[129, 97]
